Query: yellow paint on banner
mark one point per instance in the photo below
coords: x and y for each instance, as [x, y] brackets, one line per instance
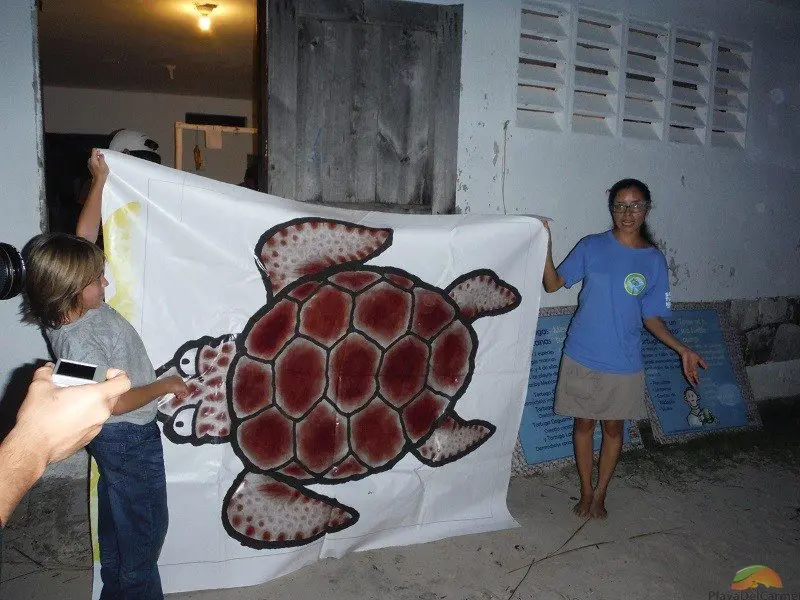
[117, 231]
[94, 477]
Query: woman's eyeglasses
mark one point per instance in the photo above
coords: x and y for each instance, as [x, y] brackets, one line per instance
[634, 207]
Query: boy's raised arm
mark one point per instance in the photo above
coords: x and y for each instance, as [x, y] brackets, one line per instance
[89, 220]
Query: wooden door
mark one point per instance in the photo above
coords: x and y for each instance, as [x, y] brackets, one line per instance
[361, 102]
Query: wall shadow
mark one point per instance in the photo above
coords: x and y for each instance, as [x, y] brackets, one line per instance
[14, 394]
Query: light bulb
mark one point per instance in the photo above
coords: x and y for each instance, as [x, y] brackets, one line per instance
[204, 23]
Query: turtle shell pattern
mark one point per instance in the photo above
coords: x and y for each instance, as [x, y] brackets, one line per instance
[340, 376]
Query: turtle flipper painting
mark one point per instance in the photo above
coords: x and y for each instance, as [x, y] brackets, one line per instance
[347, 368]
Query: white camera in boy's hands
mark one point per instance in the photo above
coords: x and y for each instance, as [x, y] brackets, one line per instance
[70, 372]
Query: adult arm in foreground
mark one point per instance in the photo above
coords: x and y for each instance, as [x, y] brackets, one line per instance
[52, 424]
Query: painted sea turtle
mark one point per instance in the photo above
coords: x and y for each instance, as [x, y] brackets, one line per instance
[346, 369]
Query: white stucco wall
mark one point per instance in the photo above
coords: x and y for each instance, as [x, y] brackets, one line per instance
[729, 219]
[75, 110]
[20, 170]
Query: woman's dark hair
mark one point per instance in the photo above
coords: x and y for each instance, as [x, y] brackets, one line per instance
[624, 184]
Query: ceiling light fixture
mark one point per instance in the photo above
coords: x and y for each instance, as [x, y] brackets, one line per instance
[204, 23]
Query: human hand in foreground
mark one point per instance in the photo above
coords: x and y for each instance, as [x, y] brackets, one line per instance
[58, 421]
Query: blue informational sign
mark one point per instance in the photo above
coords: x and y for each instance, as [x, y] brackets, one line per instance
[544, 435]
[717, 403]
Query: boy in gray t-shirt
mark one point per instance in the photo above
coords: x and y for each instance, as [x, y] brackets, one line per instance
[65, 294]
[100, 336]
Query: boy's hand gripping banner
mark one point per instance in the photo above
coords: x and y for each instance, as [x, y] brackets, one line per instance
[356, 378]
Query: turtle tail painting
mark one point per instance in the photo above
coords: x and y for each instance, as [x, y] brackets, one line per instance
[347, 368]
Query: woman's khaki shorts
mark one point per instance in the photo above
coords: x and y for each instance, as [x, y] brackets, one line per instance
[589, 394]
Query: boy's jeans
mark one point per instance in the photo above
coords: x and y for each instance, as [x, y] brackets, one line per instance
[132, 509]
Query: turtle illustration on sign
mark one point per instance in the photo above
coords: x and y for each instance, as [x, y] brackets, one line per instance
[346, 369]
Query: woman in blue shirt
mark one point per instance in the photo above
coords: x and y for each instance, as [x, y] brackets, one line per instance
[625, 286]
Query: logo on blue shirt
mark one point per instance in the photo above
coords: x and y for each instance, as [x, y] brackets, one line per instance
[635, 283]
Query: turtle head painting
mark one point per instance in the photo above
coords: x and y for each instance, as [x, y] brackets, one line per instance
[347, 368]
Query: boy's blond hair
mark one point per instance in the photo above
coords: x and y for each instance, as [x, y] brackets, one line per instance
[58, 267]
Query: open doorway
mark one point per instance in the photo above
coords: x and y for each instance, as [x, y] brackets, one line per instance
[65, 175]
[142, 66]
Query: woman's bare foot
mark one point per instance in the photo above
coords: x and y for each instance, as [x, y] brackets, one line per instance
[597, 509]
[583, 507]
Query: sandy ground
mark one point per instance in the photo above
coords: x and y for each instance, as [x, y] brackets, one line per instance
[682, 520]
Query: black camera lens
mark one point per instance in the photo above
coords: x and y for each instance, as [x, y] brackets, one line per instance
[12, 272]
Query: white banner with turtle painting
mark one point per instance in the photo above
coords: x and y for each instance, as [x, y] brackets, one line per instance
[357, 378]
